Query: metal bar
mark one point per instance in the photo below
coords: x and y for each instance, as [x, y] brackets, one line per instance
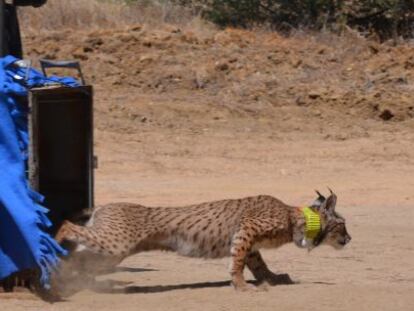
[93, 160]
[33, 143]
[2, 29]
[72, 64]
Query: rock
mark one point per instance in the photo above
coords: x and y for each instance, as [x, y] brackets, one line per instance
[341, 136]
[386, 115]
[401, 80]
[137, 27]
[93, 42]
[147, 43]
[113, 46]
[107, 58]
[300, 101]
[409, 63]
[222, 66]
[411, 111]
[126, 37]
[146, 59]
[189, 37]
[223, 38]
[79, 54]
[314, 94]
[87, 49]
[317, 113]
[202, 77]
[296, 63]
[374, 48]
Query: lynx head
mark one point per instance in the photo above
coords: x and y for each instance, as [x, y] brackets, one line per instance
[333, 231]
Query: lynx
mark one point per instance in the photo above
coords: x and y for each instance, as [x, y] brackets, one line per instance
[238, 228]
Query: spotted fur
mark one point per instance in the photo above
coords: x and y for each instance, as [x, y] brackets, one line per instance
[236, 228]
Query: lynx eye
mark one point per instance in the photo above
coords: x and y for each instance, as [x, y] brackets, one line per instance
[338, 227]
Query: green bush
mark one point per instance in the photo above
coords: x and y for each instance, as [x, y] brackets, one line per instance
[386, 18]
[310, 13]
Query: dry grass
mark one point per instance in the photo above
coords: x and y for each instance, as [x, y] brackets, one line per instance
[91, 14]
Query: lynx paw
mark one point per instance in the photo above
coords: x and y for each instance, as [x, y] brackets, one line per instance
[246, 287]
[279, 279]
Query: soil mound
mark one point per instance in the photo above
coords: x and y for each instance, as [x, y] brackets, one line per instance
[240, 73]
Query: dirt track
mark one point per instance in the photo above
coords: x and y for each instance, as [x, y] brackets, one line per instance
[182, 146]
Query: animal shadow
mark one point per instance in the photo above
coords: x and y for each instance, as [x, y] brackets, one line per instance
[167, 288]
[128, 269]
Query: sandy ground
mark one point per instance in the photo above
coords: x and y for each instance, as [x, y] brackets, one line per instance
[372, 177]
[236, 133]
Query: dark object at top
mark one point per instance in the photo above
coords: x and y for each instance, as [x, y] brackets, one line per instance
[35, 3]
[10, 40]
[47, 63]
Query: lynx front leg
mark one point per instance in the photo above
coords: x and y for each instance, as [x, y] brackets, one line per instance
[241, 245]
[261, 272]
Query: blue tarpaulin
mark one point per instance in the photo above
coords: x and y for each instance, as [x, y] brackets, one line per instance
[24, 244]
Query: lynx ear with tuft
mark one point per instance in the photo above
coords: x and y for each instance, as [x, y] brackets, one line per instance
[319, 200]
[320, 196]
[328, 207]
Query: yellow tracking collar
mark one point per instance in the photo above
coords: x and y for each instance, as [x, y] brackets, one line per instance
[313, 222]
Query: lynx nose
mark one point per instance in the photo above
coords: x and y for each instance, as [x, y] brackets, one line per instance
[348, 239]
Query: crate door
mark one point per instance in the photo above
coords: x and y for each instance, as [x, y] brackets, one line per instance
[61, 153]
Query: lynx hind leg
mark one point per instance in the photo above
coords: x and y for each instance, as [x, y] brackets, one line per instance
[84, 237]
[96, 252]
[67, 232]
[92, 256]
[261, 272]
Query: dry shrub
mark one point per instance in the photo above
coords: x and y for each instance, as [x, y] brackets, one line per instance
[91, 14]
